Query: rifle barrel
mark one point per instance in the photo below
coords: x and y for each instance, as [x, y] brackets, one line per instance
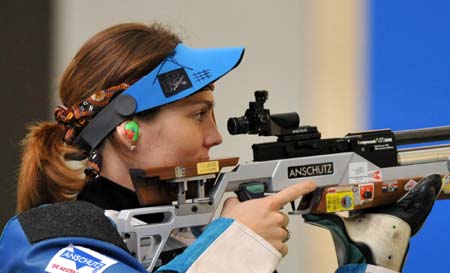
[422, 135]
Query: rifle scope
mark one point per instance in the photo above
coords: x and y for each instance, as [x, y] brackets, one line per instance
[258, 120]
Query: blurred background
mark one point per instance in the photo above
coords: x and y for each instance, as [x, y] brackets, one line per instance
[344, 66]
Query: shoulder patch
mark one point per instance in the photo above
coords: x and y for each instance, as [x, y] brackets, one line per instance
[69, 219]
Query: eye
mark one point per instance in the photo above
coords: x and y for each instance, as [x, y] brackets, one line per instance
[199, 115]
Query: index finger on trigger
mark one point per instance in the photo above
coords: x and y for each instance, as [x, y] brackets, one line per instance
[293, 192]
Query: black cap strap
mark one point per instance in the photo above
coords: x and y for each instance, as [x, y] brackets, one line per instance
[118, 110]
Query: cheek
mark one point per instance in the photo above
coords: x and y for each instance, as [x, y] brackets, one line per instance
[186, 142]
[181, 143]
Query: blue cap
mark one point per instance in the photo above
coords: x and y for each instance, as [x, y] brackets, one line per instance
[185, 71]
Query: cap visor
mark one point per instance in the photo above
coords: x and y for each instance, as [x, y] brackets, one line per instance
[186, 71]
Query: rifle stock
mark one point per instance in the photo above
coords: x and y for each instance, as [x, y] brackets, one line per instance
[329, 197]
[346, 182]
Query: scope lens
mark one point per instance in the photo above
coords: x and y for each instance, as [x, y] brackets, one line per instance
[238, 125]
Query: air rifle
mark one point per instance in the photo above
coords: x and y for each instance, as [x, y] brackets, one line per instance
[358, 171]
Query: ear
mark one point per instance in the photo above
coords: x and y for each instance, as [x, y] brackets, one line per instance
[128, 133]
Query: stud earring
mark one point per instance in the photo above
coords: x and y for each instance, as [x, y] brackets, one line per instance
[132, 133]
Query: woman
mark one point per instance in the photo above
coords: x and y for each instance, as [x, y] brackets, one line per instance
[134, 97]
[157, 81]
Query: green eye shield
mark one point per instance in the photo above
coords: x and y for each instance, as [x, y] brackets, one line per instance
[184, 72]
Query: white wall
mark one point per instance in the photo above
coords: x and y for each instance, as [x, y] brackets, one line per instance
[304, 52]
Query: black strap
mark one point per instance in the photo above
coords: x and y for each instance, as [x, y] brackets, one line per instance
[105, 121]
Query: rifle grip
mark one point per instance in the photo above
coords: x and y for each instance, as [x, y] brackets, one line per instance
[250, 190]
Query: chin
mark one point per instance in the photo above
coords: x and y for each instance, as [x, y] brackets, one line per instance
[204, 158]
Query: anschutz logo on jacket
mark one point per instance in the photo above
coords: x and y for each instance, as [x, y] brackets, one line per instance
[73, 259]
[82, 258]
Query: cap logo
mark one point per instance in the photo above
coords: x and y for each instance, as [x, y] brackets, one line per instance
[175, 81]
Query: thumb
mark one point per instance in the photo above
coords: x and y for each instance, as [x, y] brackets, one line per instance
[292, 193]
[231, 201]
[229, 204]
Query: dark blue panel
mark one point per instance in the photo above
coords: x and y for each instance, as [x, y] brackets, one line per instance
[410, 88]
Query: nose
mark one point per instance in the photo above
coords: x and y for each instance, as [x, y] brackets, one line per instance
[213, 137]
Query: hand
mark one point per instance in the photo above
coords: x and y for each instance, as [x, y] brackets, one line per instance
[263, 215]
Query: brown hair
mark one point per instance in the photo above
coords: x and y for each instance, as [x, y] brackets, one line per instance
[122, 53]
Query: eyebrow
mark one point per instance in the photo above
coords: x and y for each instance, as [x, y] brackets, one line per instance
[208, 103]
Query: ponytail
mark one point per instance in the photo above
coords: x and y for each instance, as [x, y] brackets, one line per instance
[117, 55]
[45, 176]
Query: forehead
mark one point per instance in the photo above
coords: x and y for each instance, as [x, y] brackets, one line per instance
[206, 96]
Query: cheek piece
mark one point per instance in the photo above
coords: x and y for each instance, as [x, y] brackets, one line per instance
[132, 133]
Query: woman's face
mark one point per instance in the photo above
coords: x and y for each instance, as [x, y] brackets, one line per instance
[182, 131]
